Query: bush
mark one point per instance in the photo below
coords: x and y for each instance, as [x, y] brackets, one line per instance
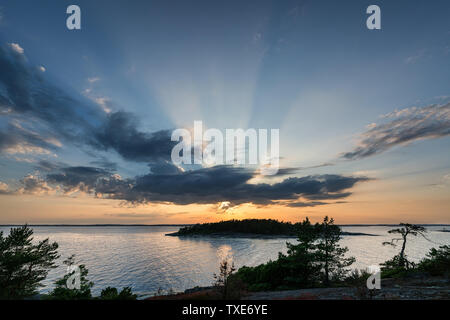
[357, 278]
[397, 267]
[437, 261]
[62, 292]
[221, 283]
[111, 293]
[235, 287]
[267, 276]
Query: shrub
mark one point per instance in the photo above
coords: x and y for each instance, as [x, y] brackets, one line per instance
[111, 293]
[62, 292]
[437, 261]
[221, 283]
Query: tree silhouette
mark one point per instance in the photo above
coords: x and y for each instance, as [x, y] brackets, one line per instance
[405, 230]
[329, 252]
[316, 259]
[226, 269]
[23, 265]
[300, 260]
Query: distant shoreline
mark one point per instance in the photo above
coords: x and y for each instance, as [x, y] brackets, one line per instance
[191, 224]
[98, 225]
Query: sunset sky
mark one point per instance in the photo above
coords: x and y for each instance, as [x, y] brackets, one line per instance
[86, 115]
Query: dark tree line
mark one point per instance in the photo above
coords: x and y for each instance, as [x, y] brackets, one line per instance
[253, 226]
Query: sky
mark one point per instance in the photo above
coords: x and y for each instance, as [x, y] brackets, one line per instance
[86, 115]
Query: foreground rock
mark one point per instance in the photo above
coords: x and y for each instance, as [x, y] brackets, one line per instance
[391, 289]
[421, 288]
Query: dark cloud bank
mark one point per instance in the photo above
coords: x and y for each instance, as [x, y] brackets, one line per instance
[203, 186]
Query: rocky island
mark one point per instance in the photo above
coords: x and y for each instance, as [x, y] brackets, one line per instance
[247, 228]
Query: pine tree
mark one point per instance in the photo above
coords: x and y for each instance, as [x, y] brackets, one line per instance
[406, 229]
[329, 253]
[23, 265]
[301, 257]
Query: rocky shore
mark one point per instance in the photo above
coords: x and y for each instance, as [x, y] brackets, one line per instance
[416, 288]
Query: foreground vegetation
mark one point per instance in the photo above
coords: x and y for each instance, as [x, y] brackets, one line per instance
[24, 265]
[316, 261]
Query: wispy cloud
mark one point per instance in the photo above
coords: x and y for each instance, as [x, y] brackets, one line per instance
[407, 125]
[93, 79]
[16, 48]
[415, 57]
[104, 103]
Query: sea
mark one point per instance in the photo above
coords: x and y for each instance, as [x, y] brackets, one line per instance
[148, 261]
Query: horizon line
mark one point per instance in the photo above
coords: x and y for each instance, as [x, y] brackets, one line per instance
[191, 224]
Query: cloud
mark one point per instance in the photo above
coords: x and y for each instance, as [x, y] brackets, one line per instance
[27, 96]
[408, 125]
[77, 120]
[73, 179]
[43, 116]
[93, 79]
[306, 204]
[145, 215]
[119, 133]
[18, 140]
[443, 182]
[35, 185]
[224, 206]
[416, 57]
[104, 103]
[4, 188]
[16, 48]
[223, 184]
[446, 178]
[103, 162]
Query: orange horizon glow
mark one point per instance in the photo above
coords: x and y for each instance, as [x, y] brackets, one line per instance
[370, 204]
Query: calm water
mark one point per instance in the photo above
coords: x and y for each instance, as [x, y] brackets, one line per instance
[145, 259]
